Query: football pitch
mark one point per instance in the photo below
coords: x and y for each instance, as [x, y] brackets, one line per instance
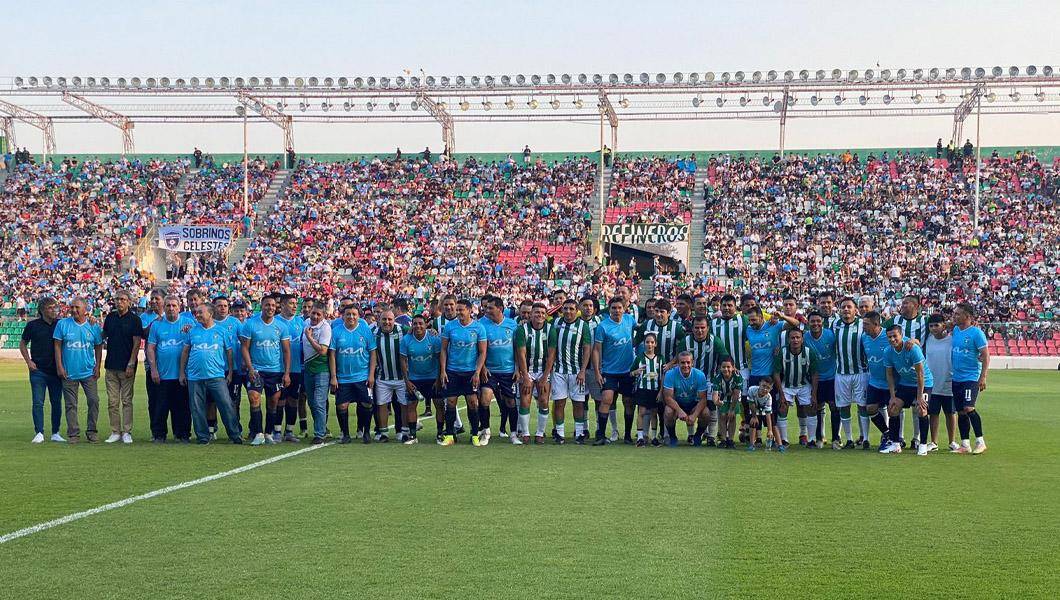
[535, 522]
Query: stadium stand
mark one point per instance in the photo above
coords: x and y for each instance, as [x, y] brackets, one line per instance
[651, 190]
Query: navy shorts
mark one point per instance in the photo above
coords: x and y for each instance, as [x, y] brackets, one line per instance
[295, 389]
[354, 393]
[239, 381]
[267, 383]
[459, 384]
[426, 388]
[907, 394]
[965, 393]
[646, 398]
[878, 396]
[940, 403]
[620, 383]
[502, 384]
[825, 393]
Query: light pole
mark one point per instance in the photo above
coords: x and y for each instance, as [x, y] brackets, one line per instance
[242, 111]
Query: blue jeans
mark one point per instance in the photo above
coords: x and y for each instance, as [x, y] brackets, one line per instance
[217, 391]
[39, 383]
[316, 393]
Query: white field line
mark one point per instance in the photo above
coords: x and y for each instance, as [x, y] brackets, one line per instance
[14, 535]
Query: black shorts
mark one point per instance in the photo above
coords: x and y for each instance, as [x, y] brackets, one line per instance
[877, 396]
[354, 393]
[267, 383]
[940, 403]
[646, 398]
[502, 384]
[426, 388]
[239, 381]
[619, 383]
[965, 393]
[825, 393]
[907, 394]
[295, 389]
[459, 384]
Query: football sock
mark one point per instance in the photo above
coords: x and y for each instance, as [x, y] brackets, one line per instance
[833, 420]
[845, 422]
[880, 422]
[302, 425]
[513, 418]
[629, 423]
[963, 425]
[255, 421]
[579, 426]
[895, 427]
[523, 427]
[863, 423]
[211, 424]
[472, 420]
[270, 420]
[925, 424]
[700, 429]
[449, 417]
[483, 417]
[542, 421]
[802, 426]
[819, 432]
[504, 415]
[811, 427]
[977, 423]
[645, 421]
[672, 430]
[291, 415]
[601, 424]
[613, 417]
[782, 425]
[364, 419]
[712, 428]
[560, 429]
[343, 415]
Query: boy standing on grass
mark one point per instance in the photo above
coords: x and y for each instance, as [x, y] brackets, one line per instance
[646, 373]
[759, 404]
[727, 387]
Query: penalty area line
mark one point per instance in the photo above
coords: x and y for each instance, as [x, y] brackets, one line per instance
[14, 535]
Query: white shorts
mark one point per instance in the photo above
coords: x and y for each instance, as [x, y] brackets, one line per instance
[566, 386]
[851, 389]
[592, 386]
[385, 391]
[534, 377]
[746, 375]
[801, 395]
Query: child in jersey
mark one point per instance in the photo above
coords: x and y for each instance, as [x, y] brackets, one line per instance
[727, 386]
[647, 374]
[759, 405]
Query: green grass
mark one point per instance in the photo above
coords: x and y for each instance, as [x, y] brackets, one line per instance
[546, 522]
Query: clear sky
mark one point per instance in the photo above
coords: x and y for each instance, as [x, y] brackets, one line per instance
[265, 38]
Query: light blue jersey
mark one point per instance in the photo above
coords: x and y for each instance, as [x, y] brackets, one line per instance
[207, 354]
[824, 346]
[965, 353]
[231, 326]
[422, 355]
[500, 351]
[616, 344]
[876, 349]
[266, 353]
[295, 327]
[462, 354]
[353, 352]
[79, 341]
[686, 389]
[764, 342]
[904, 362]
[168, 338]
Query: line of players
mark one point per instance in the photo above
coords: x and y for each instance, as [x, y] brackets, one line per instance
[692, 362]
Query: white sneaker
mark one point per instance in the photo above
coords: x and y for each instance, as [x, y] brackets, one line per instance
[410, 441]
[126, 438]
[258, 440]
[980, 447]
[932, 447]
[37, 439]
[58, 438]
[269, 440]
[516, 441]
[954, 446]
[922, 450]
[614, 435]
[484, 437]
[891, 448]
[503, 434]
[114, 437]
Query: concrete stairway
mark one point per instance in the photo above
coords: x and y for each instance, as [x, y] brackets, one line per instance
[263, 207]
[695, 231]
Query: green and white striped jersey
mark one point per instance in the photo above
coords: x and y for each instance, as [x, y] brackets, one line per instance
[850, 359]
[831, 321]
[915, 328]
[705, 353]
[634, 309]
[669, 337]
[568, 339]
[795, 370]
[650, 379]
[388, 352]
[725, 387]
[438, 323]
[733, 335]
[534, 343]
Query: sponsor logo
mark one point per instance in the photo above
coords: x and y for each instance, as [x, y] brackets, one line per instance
[75, 345]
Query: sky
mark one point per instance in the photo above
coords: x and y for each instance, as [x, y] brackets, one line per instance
[265, 38]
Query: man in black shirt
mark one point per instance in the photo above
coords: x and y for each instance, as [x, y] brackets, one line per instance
[38, 351]
[122, 332]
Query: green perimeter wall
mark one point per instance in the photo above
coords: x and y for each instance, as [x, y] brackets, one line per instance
[1046, 154]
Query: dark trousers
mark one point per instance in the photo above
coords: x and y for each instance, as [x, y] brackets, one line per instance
[172, 405]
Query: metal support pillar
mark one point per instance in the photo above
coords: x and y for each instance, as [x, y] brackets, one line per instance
[39, 121]
[7, 125]
[125, 124]
[978, 163]
[444, 119]
[783, 120]
[277, 118]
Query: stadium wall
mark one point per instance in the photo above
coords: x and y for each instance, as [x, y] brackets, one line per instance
[1046, 154]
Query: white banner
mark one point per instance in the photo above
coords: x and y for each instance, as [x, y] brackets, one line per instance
[194, 238]
[666, 239]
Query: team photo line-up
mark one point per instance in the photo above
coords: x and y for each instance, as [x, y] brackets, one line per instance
[707, 362]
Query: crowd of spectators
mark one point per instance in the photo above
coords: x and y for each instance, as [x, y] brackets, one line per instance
[651, 190]
[214, 194]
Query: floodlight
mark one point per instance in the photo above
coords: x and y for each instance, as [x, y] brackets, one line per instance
[887, 98]
[60, 81]
[121, 82]
[720, 101]
[460, 81]
[837, 74]
[772, 75]
[343, 82]
[464, 105]
[766, 100]
[239, 82]
[532, 103]
[134, 82]
[369, 105]
[488, 79]
[693, 78]
[1015, 96]
[76, 82]
[885, 74]
[838, 99]
[91, 81]
[869, 74]
[431, 80]
[697, 101]
[852, 74]
[1040, 96]
[486, 105]
[535, 79]
[583, 78]
[371, 82]
[566, 79]
[966, 72]
[241, 111]
[900, 75]
[1032, 71]
[933, 73]
[598, 79]
[442, 105]
[18, 82]
[284, 82]
[778, 106]
[951, 73]
[299, 82]
[739, 76]
[628, 78]
[520, 79]
[792, 99]
[393, 106]
[313, 82]
[644, 78]
[398, 81]
[863, 99]
[224, 81]
[152, 82]
[756, 76]
[709, 77]
[105, 81]
[325, 105]
[679, 77]
[814, 99]
[281, 105]
[941, 97]
[918, 74]
[789, 75]
[414, 81]
[509, 104]
[624, 103]
[980, 72]
[383, 82]
[744, 100]
[997, 71]
[725, 77]
[414, 105]
[506, 80]
[48, 81]
[444, 81]
[476, 81]
[819, 75]
[302, 106]
[916, 98]
[347, 106]
[1013, 71]
[358, 82]
[1047, 70]
[554, 104]
[255, 82]
[579, 103]
[990, 96]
